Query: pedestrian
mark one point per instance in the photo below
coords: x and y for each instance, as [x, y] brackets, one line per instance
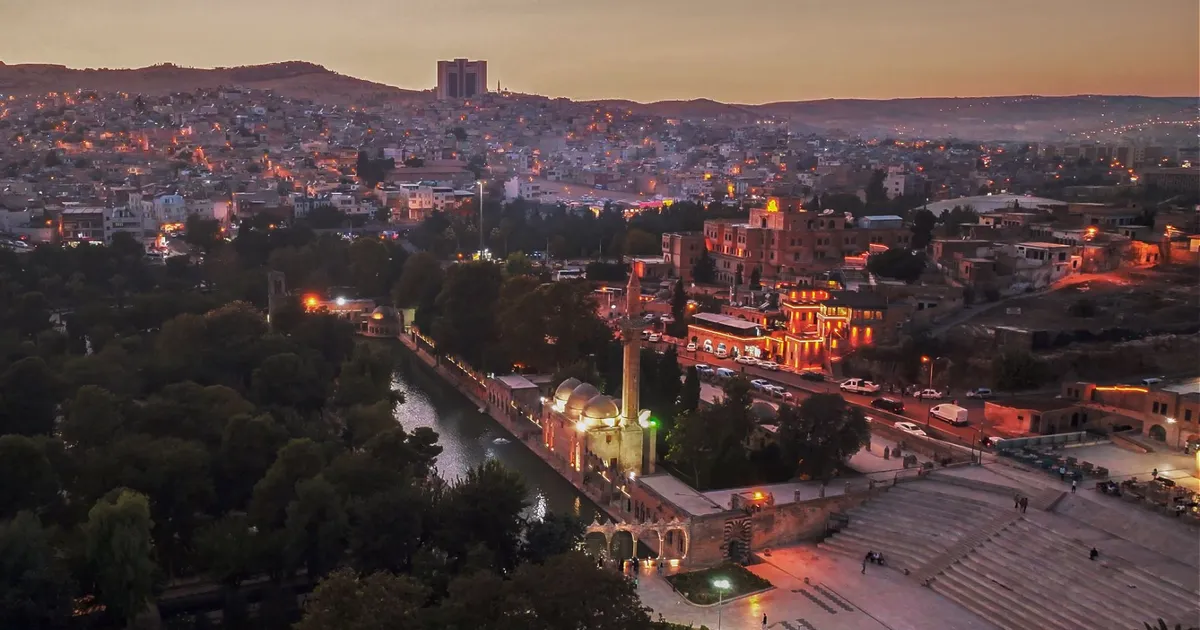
[764, 622]
[1016, 501]
[1093, 554]
[870, 555]
[1062, 473]
[1154, 475]
[1024, 504]
[1073, 484]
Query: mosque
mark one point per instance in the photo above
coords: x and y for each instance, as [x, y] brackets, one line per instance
[597, 435]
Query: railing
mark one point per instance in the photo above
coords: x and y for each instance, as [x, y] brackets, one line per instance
[1038, 441]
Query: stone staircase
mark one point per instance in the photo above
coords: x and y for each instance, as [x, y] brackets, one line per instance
[1025, 577]
[914, 527]
[964, 546]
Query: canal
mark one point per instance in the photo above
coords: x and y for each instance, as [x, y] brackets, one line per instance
[469, 438]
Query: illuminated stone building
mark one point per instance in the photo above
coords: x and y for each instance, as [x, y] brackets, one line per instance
[784, 241]
[598, 436]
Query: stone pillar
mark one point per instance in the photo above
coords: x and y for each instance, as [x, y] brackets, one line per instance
[630, 399]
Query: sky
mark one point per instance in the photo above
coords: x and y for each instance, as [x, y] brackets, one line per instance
[740, 51]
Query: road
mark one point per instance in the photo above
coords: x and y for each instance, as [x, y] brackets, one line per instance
[915, 410]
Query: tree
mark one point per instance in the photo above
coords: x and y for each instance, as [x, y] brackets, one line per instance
[30, 482]
[379, 601]
[118, 551]
[876, 192]
[1015, 370]
[316, 526]
[286, 380]
[756, 279]
[679, 302]
[901, 264]
[552, 535]
[422, 274]
[641, 243]
[923, 222]
[518, 264]
[369, 268]
[689, 397]
[298, 460]
[466, 323]
[821, 434]
[202, 233]
[35, 591]
[705, 269]
[387, 529]
[484, 508]
[227, 549]
[248, 448]
[29, 396]
[594, 598]
[957, 216]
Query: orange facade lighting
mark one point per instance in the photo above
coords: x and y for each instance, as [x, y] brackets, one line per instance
[1123, 388]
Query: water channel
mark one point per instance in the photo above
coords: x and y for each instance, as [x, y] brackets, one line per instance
[468, 438]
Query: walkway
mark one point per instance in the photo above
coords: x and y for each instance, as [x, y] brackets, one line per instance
[837, 597]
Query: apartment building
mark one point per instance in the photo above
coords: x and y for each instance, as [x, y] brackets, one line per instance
[681, 250]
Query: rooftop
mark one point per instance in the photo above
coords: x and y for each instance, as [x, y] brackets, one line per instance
[1043, 245]
[516, 381]
[725, 320]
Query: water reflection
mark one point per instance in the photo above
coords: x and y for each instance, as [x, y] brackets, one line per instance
[468, 438]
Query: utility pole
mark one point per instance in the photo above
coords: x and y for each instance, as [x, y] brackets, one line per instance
[480, 183]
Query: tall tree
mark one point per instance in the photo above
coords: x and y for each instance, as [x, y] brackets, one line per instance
[379, 601]
[35, 590]
[756, 278]
[704, 271]
[689, 396]
[550, 536]
[679, 301]
[422, 274]
[876, 192]
[30, 482]
[821, 434]
[29, 396]
[922, 228]
[119, 551]
[317, 527]
[466, 320]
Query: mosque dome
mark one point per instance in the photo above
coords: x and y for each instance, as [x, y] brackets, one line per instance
[763, 411]
[579, 399]
[600, 408]
[564, 390]
[384, 312]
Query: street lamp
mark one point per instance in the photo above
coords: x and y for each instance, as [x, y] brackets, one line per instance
[722, 585]
[930, 361]
[480, 183]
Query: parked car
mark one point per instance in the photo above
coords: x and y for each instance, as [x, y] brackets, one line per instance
[691, 347]
[888, 404]
[722, 351]
[980, 393]
[813, 375]
[769, 365]
[746, 360]
[929, 394]
[704, 371]
[760, 384]
[910, 428]
[859, 386]
[725, 374]
[708, 347]
[654, 337]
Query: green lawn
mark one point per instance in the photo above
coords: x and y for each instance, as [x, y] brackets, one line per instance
[697, 586]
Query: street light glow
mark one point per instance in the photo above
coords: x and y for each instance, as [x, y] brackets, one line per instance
[721, 584]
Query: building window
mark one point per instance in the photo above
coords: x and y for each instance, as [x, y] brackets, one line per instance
[1187, 415]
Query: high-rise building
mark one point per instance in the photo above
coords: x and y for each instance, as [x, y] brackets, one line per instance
[461, 78]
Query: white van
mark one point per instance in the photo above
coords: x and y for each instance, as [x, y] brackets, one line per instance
[950, 414]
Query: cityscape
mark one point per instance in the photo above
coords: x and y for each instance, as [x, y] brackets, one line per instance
[285, 348]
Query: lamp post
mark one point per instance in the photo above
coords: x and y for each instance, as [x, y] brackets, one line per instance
[930, 361]
[480, 184]
[722, 585]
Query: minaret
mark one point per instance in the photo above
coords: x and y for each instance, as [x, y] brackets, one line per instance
[632, 335]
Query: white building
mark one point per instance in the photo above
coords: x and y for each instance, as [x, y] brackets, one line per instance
[522, 188]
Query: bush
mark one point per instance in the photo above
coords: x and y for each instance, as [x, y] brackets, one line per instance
[1082, 307]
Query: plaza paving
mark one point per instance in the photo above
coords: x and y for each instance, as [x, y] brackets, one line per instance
[837, 597]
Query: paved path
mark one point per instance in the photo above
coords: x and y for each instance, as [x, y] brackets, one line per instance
[837, 597]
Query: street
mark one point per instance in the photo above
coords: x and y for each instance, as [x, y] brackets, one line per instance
[915, 410]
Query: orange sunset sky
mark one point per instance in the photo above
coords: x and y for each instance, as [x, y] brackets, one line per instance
[747, 51]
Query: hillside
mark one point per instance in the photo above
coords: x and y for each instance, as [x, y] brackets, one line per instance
[297, 79]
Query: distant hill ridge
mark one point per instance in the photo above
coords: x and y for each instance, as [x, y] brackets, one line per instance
[1000, 117]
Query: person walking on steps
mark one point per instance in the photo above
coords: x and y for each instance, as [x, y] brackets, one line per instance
[764, 622]
[1016, 501]
[1024, 504]
[1093, 554]
[1073, 484]
[870, 554]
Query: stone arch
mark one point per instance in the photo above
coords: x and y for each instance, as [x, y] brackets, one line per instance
[674, 543]
[1157, 432]
[596, 543]
[622, 544]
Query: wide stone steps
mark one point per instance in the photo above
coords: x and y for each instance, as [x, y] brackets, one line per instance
[1020, 564]
[994, 613]
[1125, 582]
[983, 584]
[920, 531]
[1041, 590]
[962, 547]
[856, 547]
